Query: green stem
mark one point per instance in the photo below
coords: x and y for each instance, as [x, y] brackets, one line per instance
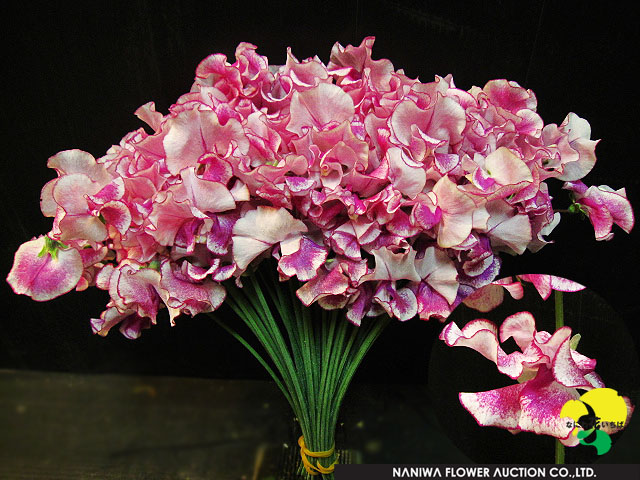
[312, 354]
[559, 309]
[559, 324]
[559, 453]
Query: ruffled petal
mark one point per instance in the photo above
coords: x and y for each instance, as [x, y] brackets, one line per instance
[44, 274]
[437, 269]
[304, 260]
[181, 295]
[545, 284]
[495, 408]
[521, 326]
[318, 107]
[541, 402]
[334, 282]
[479, 335]
[457, 213]
[566, 370]
[259, 229]
[486, 298]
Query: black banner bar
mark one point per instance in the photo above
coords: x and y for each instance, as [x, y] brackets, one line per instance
[474, 472]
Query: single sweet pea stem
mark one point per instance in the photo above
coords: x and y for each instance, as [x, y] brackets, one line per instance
[559, 310]
[559, 324]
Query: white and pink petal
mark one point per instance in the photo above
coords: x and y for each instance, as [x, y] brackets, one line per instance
[43, 269]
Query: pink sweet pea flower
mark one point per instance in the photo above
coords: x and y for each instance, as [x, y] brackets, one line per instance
[604, 207]
[301, 257]
[260, 229]
[548, 369]
[45, 269]
[457, 213]
[490, 296]
[379, 192]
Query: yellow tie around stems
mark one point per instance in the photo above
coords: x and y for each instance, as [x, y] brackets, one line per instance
[317, 468]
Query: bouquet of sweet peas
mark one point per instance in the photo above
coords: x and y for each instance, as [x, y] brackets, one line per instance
[382, 195]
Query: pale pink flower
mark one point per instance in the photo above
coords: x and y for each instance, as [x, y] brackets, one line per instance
[44, 269]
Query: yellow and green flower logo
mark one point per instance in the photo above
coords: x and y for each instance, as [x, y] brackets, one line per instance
[597, 413]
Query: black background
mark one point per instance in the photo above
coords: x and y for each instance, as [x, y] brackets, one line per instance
[73, 76]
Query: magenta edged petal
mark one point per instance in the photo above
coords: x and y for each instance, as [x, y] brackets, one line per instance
[507, 168]
[495, 408]
[133, 288]
[224, 273]
[70, 190]
[521, 326]
[92, 256]
[305, 262]
[565, 369]
[437, 269]
[345, 244]
[407, 176]
[431, 303]
[167, 217]
[147, 113]
[219, 238]
[479, 335]
[541, 401]
[606, 207]
[69, 162]
[108, 319]
[325, 283]
[549, 344]
[299, 184]
[404, 304]
[182, 295]
[357, 310]
[80, 227]
[564, 285]
[486, 298]
[425, 213]
[132, 326]
[445, 162]
[48, 205]
[206, 195]
[510, 96]
[510, 365]
[194, 133]
[544, 284]
[482, 179]
[118, 215]
[508, 228]
[261, 228]
[43, 277]
[515, 289]
[319, 107]
[392, 265]
[583, 362]
[333, 302]
[457, 213]
[401, 303]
